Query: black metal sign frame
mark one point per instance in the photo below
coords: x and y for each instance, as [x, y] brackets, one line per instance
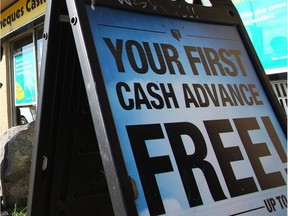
[70, 56]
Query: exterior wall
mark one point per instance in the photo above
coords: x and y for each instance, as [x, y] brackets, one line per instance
[4, 92]
[14, 20]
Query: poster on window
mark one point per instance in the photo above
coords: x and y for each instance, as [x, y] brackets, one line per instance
[25, 78]
[196, 128]
[266, 24]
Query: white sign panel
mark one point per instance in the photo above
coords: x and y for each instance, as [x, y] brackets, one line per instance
[196, 129]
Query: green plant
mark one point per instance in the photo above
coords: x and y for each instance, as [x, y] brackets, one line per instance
[18, 211]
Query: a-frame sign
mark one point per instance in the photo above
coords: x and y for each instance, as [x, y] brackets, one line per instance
[155, 108]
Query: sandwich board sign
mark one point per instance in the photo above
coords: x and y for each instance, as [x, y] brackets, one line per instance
[177, 104]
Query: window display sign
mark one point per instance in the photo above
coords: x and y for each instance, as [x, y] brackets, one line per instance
[266, 23]
[25, 77]
[196, 128]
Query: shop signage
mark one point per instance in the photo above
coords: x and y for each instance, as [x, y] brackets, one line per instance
[196, 128]
[20, 13]
[266, 24]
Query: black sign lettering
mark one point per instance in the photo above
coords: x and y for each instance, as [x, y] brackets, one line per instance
[214, 60]
[169, 95]
[162, 66]
[231, 70]
[149, 166]
[149, 96]
[116, 52]
[255, 151]
[225, 98]
[193, 60]
[189, 96]
[164, 58]
[233, 95]
[152, 90]
[138, 51]
[172, 56]
[129, 103]
[275, 139]
[186, 163]
[237, 54]
[227, 155]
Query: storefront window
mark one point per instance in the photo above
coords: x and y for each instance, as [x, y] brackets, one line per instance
[39, 33]
[26, 62]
